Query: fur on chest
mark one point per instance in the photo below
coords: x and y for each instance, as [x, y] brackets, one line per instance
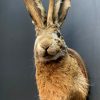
[60, 81]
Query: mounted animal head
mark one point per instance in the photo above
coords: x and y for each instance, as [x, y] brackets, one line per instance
[49, 44]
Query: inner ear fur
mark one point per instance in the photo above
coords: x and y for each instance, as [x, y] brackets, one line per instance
[60, 10]
[65, 5]
[37, 12]
[57, 11]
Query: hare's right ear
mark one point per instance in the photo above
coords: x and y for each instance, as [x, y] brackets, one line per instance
[37, 12]
[60, 11]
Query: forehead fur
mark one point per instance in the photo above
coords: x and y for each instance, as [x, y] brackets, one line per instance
[51, 29]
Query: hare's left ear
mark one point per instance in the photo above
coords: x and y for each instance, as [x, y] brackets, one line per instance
[60, 10]
[37, 12]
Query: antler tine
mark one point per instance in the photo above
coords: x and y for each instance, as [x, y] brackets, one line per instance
[66, 4]
[37, 12]
[50, 13]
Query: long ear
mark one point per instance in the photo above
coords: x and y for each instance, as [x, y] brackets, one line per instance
[61, 9]
[56, 10]
[37, 12]
[50, 13]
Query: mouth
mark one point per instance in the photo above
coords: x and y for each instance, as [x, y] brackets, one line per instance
[48, 58]
[50, 54]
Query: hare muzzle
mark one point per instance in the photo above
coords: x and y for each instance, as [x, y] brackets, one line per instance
[49, 47]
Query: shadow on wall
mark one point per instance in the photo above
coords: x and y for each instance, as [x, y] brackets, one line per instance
[81, 31]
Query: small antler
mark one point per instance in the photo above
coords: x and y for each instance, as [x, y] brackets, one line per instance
[36, 11]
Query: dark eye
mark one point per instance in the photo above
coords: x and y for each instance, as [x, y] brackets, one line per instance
[58, 34]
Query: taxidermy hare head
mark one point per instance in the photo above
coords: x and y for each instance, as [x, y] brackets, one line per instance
[60, 71]
[49, 44]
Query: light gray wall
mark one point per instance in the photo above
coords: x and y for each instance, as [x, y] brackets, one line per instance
[81, 31]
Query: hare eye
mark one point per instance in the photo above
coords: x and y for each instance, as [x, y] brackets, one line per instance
[58, 34]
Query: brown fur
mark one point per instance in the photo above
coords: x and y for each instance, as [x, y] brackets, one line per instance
[60, 71]
[64, 79]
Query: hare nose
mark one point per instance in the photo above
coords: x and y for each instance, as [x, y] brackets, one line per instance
[49, 47]
[45, 43]
[45, 47]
